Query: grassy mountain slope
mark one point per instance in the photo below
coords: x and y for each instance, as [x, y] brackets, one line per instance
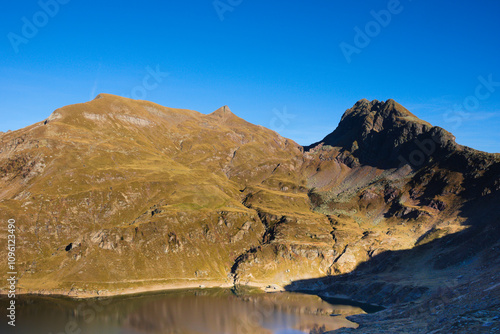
[115, 193]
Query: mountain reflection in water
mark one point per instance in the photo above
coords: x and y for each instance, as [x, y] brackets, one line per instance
[209, 311]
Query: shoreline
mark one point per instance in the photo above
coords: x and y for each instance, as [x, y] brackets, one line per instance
[91, 294]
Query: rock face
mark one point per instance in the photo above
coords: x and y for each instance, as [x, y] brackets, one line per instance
[115, 194]
[383, 134]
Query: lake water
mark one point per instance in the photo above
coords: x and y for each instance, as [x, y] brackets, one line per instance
[207, 311]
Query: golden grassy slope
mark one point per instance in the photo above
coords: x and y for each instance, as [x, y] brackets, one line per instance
[141, 192]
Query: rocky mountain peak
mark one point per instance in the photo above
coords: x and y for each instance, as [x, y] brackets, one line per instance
[223, 113]
[379, 133]
[379, 113]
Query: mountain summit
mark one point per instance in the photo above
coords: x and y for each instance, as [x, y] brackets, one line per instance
[380, 133]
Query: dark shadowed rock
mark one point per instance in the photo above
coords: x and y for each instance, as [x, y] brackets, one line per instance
[385, 134]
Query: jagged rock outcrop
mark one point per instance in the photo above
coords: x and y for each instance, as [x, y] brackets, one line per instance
[383, 134]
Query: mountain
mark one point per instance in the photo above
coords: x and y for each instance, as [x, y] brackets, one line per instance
[378, 133]
[415, 219]
[118, 195]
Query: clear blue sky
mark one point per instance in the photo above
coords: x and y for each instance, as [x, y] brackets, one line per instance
[263, 58]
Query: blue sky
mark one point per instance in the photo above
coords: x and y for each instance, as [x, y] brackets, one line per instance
[281, 64]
